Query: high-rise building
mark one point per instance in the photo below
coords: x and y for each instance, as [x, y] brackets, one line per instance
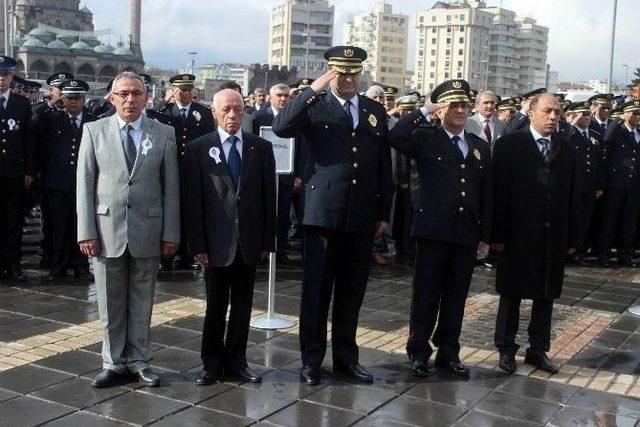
[491, 47]
[383, 35]
[300, 31]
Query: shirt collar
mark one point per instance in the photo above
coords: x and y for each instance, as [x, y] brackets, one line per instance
[224, 135]
[180, 106]
[354, 100]
[6, 94]
[136, 124]
[79, 116]
[483, 118]
[581, 130]
[451, 135]
[599, 121]
[274, 111]
[537, 136]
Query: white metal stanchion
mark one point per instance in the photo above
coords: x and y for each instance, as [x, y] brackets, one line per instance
[270, 320]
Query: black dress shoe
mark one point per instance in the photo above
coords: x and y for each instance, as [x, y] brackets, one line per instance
[355, 371]
[421, 368]
[310, 375]
[106, 378]
[247, 374]
[149, 378]
[205, 378]
[453, 367]
[507, 362]
[541, 361]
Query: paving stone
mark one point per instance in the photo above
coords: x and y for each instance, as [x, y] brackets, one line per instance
[623, 362]
[248, 403]
[184, 389]
[483, 419]
[27, 378]
[420, 412]
[84, 419]
[200, 417]
[459, 394]
[75, 362]
[271, 356]
[589, 418]
[7, 394]
[351, 397]
[626, 322]
[610, 338]
[170, 336]
[606, 403]
[539, 389]
[591, 357]
[77, 393]
[285, 382]
[137, 408]
[519, 407]
[194, 344]
[305, 413]
[175, 359]
[26, 411]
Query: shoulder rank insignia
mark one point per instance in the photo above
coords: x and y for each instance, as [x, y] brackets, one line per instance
[373, 120]
[476, 153]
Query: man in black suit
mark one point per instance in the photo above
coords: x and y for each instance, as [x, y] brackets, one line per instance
[621, 205]
[230, 217]
[347, 199]
[278, 98]
[18, 165]
[451, 221]
[61, 132]
[190, 120]
[536, 203]
[521, 118]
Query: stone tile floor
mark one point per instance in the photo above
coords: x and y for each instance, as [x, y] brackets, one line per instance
[50, 343]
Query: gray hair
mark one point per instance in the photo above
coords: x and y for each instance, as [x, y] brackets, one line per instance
[127, 75]
[486, 92]
[279, 86]
[258, 90]
[217, 96]
[374, 91]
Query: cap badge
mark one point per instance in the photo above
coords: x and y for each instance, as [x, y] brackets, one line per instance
[61, 76]
[348, 53]
[457, 84]
[373, 120]
[185, 77]
[74, 83]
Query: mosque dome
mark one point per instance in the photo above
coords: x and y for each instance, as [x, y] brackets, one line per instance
[32, 42]
[56, 44]
[80, 45]
[104, 48]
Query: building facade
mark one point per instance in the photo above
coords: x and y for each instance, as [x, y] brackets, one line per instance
[384, 35]
[532, 50]
[300, 31]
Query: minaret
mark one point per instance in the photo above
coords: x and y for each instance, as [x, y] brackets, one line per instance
[136, 12]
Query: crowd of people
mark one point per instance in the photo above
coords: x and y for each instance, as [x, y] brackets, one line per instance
[442, 182]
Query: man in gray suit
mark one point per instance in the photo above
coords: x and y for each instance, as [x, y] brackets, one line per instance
[484, 123]
[128, 217]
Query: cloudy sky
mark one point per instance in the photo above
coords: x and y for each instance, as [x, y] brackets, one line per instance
[237, 30]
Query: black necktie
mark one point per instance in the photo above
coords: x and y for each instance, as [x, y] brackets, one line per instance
[74, 125]
[347, 109]
[130, 149]
[234, 161]
[183, 115]
[545, 148]
[455, 140]
[603, 126]
[586, 136]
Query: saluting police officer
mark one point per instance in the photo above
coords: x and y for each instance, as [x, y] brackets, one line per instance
[18, 166]
[622, 187]
[62, 131]
[451, 222]
[347, 199]
[521, 119]
[191, 120]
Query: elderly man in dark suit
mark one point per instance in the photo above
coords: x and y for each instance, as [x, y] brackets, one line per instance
[230, 218]
[537, 200]
[347, 199]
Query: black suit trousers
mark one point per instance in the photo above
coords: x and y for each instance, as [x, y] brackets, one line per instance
[285, 198]
[440, 287]
[12, 193]
[620, 213]
[587, 204]
[335, 262]
[232, 284]
[508, 320]
[63, 228]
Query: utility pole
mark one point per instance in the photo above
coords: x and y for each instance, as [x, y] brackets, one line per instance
[193, 61]
[7, 30]
[613, 41]
[306, 55]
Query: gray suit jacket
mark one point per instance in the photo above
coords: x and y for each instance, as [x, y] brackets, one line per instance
[475, 126]
[135, 211]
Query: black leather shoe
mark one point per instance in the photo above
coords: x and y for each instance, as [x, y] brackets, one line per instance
[452, 367]
[310, 375]
[507, 362]
[541, 361]
[421, 368]
[14, 274]
[149, 378]
[247, 374]
[205, 378]
[106, 378]
[356, 372]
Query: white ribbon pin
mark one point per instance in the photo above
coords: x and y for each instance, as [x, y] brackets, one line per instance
[146, 145]
[214, 153]
[12, 124]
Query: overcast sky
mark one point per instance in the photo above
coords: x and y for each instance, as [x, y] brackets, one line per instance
[237, 30]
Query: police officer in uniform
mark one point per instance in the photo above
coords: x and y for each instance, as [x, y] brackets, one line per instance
[347, 199]
[451, 222]
[18, 166]
[601, 110]
[521, 119]
[390, 94]
[191, 120]
[507, 108]
[62, 131]
[622, 187]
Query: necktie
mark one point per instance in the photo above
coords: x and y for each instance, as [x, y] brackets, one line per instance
[584, 133]
[456, 143]
[603, 126]
[487, 130]
[234, 161]
[74, 125]
[347, 109]
[130, 149]
[2, 99]
[545, 148]
[183, 114]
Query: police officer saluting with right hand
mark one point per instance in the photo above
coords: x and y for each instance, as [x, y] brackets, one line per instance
[451, 222]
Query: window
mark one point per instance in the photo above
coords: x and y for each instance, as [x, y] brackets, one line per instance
[448, 18]
[433, 63]
[433, 30]
[433, 40]
[433, 19]
[459, 63]
[447, 52]
[446, 75]
[433, 52]
[461, 40]
[448, 40]
[460, 52]
[432, 74]
[421, 19]
[461, 28]
[459, 75]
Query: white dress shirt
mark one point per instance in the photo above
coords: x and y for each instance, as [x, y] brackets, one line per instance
[353, 108]
[6, 97]
[180, 107]
[78, 119]
[274, 111]
[537, 136]
[492, 126]
[226, 145]
[136, 133]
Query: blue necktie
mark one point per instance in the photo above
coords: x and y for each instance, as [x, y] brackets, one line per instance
[183, 115]
[234, 160]
[347, 109]
[456, 139]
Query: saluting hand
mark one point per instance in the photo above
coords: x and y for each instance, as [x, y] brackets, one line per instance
[322, 82]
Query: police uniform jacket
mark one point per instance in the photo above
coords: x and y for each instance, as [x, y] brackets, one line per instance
[17, 151]
[622, 164]
[347, 172]
[519, 121]
[589, 161]
[61, 144]
[455, 201]
[199, 122]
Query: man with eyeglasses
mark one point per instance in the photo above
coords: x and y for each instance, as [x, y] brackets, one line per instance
[60, 132]
[622, 187]
[600, 115]
[191, 120]
[536, 206]
[128, 206]
[450, 223]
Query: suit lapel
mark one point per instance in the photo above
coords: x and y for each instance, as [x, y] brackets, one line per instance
[337, 110]
[222, 168]
[114, 135]
[454, 152]
[363, 113]
[147, 134]
[248, 152]
[532, 146]
[556, 146]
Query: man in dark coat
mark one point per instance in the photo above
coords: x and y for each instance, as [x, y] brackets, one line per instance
[451, 222]
[230, 208]
[537, 197]
[347, 199]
